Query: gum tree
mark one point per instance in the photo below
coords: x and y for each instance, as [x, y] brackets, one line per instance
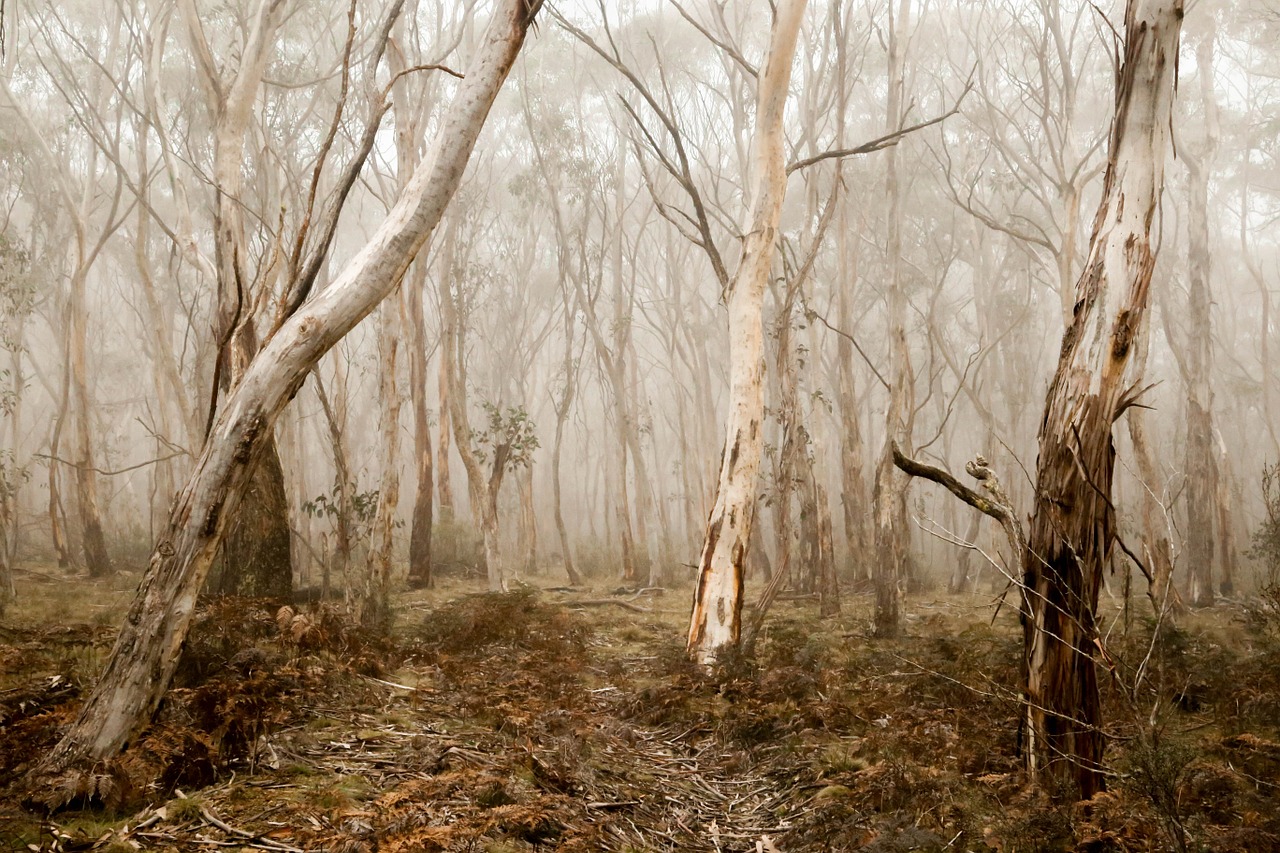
[143, 660]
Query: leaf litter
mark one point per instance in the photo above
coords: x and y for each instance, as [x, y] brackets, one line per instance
[520, 722]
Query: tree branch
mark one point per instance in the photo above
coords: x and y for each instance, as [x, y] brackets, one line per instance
[880, 142]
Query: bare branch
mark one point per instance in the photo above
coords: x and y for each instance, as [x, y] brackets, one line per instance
[881, 142]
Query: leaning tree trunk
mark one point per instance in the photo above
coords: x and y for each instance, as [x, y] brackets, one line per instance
[1073, 525]
[145, 655]
[716, 620]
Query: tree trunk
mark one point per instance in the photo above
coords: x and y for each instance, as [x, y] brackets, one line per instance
[566, 548]
[1201, 459]
[93, 542]
[422, 520]
[444, 484]
[1159, 558]
[480, 484]
[716, 620]
[528, 530]
[963, 573]
[1073, 525]
[145, 655]
[828, 582]
[373, 600]
[889, 493]
[255, 558]
[1226, 531]
[853, 481]
[343, 487]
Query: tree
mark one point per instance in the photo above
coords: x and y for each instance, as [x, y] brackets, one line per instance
[1073, 524]
[890, 528]
[145, 655]
[716, 620]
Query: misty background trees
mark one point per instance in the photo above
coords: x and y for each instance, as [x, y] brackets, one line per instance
[546, 391]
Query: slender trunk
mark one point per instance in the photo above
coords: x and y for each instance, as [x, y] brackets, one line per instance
[528, 530]
[444, 485]
[889, 494]
[1226, 534]
[343, 488]
[57, 527]
[93, 542]
[1157, 552]
[18, 379]
[1201, 460]
[963, 573]
[373, 602]
[622, 504]
[409, 138]
[1073, 524]
[481, 487]
[421, 520]
[828, 582]
[716, 620]
[566, 548]
[853, 489]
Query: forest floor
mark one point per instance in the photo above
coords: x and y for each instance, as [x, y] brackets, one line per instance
[551, 721]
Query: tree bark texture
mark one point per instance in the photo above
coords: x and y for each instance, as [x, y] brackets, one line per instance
[1073, 524]
[1201, 459]
[422, 518]
[142, 662]
[716, 620]
[889, 494]
[373, 599]
[255, 556]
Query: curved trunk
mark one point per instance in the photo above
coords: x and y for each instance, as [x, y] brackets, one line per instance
[145, 655]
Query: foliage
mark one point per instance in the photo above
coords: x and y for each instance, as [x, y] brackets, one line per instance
[361, 510]
[520, 711]
[1266, 549]
[17, 292]
[511, 435]
[515, 619]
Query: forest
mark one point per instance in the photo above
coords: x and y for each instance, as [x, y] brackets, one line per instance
[740, 426]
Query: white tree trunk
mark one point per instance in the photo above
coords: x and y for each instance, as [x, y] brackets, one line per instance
[717, 606]
[143, 660]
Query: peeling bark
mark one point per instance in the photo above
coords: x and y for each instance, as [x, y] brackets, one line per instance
[1073, 524]
[716, 620]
